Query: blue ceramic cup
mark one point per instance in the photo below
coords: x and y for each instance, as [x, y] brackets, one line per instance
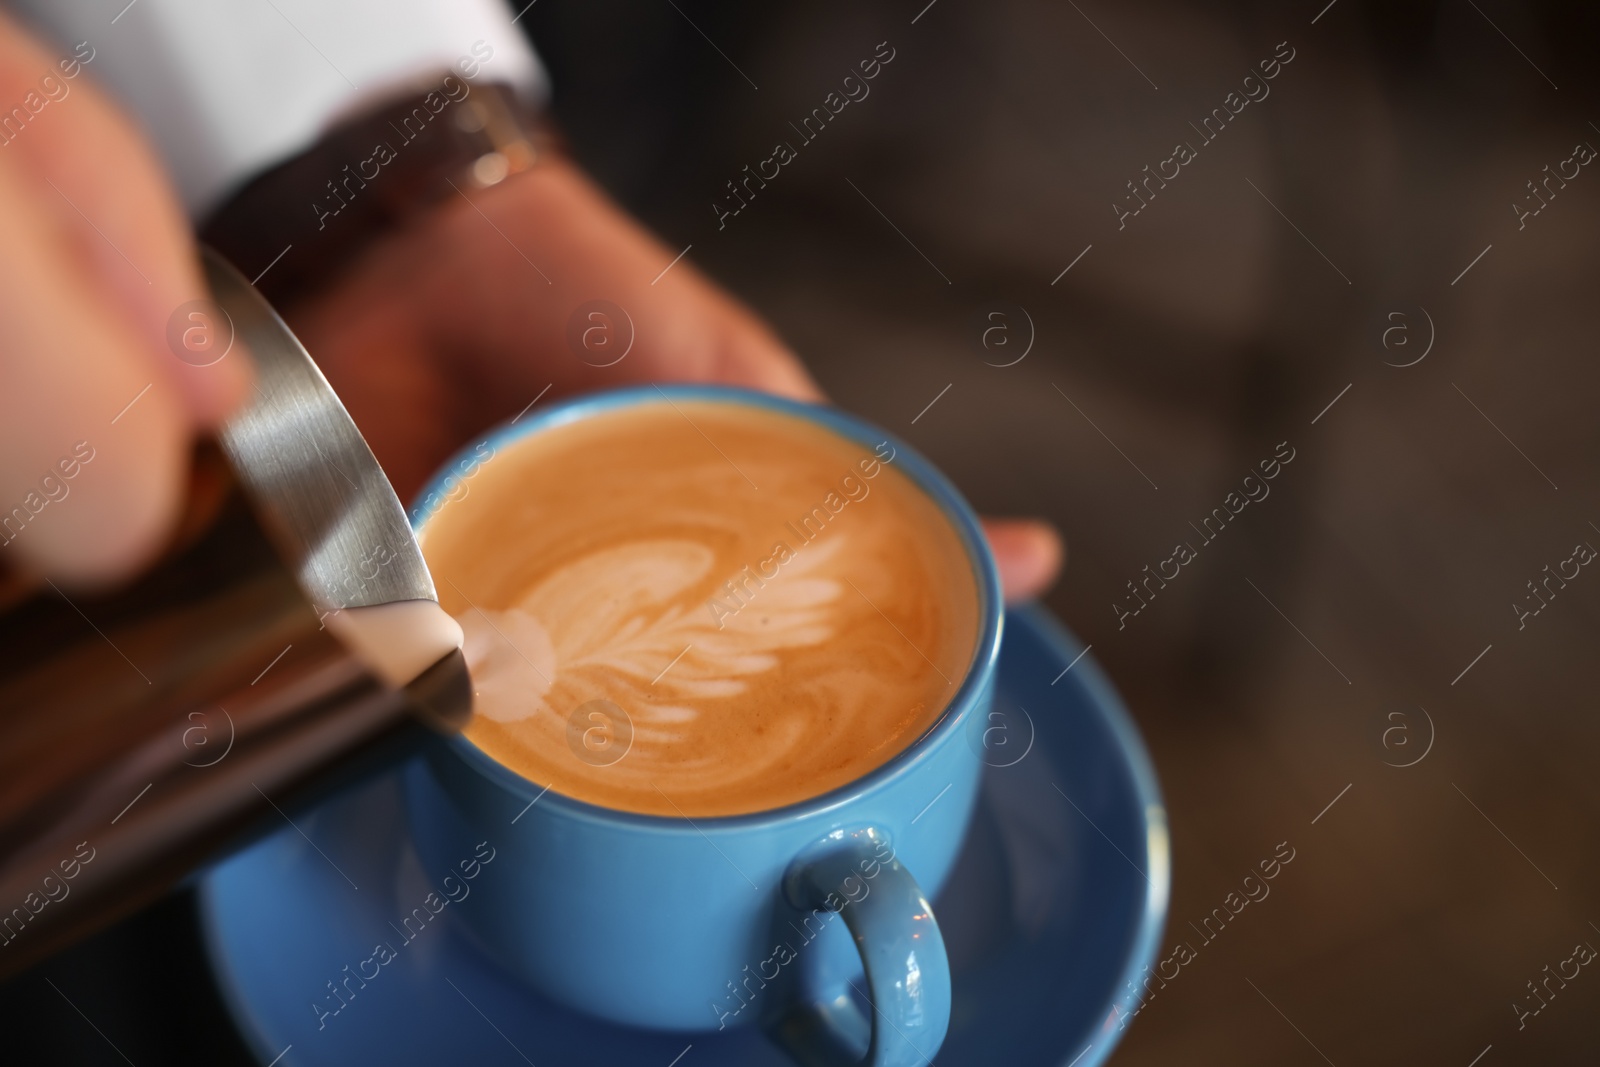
[811, 920]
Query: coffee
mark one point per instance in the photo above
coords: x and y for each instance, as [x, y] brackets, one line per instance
[698, 608]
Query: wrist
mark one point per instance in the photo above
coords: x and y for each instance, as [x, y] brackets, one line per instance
[299, 224]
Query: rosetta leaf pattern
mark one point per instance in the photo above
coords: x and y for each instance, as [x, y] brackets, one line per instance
[608, 623]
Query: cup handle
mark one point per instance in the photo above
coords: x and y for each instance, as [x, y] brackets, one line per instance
[902, 952]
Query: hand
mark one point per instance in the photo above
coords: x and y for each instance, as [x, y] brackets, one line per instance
[94, 258]
[460, 320]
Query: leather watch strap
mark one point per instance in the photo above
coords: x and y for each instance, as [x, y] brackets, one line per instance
[298, 224]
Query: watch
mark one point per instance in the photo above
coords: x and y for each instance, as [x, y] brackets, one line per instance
[299, 223]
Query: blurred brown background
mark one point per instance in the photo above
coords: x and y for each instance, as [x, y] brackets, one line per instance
[1253, 290]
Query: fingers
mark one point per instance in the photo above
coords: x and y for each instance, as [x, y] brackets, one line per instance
[113, 211]
[513, 268]
[1029, 553]
[748, 353]
[93, 443]
[95, 262]
[688, 327]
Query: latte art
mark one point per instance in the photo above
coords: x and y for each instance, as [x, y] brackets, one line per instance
[623, 641]
[694, 573]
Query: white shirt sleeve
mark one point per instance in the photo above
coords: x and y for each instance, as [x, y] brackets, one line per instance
[228, 88]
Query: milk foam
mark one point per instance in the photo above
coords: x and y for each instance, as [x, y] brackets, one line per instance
[399, 640]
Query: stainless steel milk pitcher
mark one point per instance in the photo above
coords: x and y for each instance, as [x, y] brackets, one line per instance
[143, 731]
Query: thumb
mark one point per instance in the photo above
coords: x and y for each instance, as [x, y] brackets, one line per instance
[1029, 554]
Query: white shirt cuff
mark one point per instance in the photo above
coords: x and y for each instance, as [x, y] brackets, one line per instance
[227, 90]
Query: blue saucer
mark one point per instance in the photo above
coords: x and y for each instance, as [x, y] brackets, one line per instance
[1052, 912]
